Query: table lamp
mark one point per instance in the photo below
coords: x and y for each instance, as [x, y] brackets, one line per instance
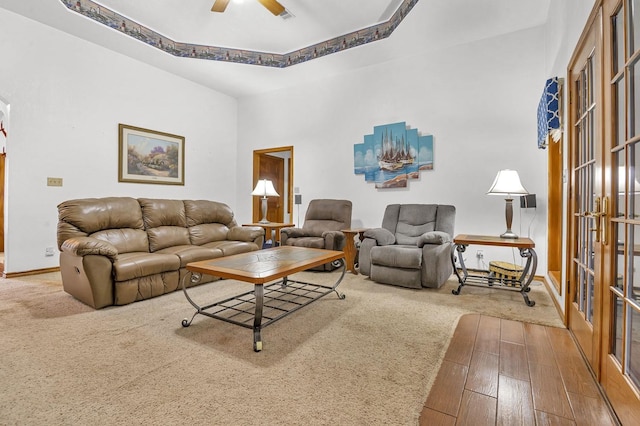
[507, 183]
[264, 188]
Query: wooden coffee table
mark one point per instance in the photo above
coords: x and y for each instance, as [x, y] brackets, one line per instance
[274, 294]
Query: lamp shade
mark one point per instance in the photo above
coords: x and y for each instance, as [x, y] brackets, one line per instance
[264, 188]
[507, 182]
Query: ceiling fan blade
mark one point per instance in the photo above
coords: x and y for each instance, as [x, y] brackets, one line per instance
[220, 5]
[273, 6]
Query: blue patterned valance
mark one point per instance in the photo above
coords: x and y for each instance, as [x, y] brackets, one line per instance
[549, 113]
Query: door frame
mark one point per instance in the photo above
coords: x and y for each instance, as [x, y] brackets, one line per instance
[257, 156]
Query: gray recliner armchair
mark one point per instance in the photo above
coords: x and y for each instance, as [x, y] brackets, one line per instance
[412, 248]
[322, 227]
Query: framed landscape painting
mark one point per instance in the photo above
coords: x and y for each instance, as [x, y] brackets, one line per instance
[147, 156]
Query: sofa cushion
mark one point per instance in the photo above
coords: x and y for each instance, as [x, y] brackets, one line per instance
[204, 211]
[408, 221]
[413, 221]
[167, 236]
[408, 257]
[137, 264]
[327, 215]
[207, 232]
[159, 212]
[83, 217]
[125, 240]
[189, 253]
[312, 242]
[165, 222]
[232, 247]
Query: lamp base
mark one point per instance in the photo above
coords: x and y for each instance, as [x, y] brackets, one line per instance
[263, 207]
[509, 234]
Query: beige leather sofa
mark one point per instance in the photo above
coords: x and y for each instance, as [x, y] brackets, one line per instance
[119, 250]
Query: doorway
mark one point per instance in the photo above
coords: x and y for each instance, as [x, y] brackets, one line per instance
[275, 164]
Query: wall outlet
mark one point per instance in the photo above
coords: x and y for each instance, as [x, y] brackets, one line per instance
[48, 251]
[480, 254]
[53, 181]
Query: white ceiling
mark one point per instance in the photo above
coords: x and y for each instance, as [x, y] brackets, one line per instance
[430, 24]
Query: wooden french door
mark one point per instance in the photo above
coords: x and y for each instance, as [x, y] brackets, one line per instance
[587, 200]
[620, 348]
[603, 304]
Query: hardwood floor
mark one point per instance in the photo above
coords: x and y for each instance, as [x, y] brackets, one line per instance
[502, 372]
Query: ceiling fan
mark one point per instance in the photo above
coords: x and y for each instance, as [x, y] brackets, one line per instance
[273, 6]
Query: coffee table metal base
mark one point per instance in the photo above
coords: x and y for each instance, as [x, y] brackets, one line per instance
[264, 305]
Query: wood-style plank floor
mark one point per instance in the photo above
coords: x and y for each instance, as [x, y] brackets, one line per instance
[503, 372]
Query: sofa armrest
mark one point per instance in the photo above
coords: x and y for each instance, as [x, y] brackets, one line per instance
[433, 237]
[333, 240]
[245, 233]
[84, 246]
[294, 232]
[383, 237]
[286, 233]
[436, 264]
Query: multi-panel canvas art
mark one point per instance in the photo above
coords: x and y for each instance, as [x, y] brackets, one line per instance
[392, 155]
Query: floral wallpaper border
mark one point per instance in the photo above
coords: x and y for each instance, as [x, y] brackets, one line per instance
[108, 17]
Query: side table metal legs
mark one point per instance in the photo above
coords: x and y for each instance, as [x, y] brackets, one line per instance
[522, 282]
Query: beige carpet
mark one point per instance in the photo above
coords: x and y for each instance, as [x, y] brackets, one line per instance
[368, 359]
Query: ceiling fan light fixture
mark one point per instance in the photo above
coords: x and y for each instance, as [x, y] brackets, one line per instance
[220, 6]
[273, 6]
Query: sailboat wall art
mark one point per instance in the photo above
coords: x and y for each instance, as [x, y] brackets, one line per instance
[392, 155]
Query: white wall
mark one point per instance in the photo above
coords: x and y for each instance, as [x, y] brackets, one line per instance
[478, 99]
[67, 97]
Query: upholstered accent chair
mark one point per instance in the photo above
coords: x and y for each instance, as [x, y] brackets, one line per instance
[322, 227]
[412, 248]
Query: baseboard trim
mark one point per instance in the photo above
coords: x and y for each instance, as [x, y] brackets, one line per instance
[547, 284]
[32, 272]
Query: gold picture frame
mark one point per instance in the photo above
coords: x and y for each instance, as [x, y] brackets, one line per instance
[148, 156]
